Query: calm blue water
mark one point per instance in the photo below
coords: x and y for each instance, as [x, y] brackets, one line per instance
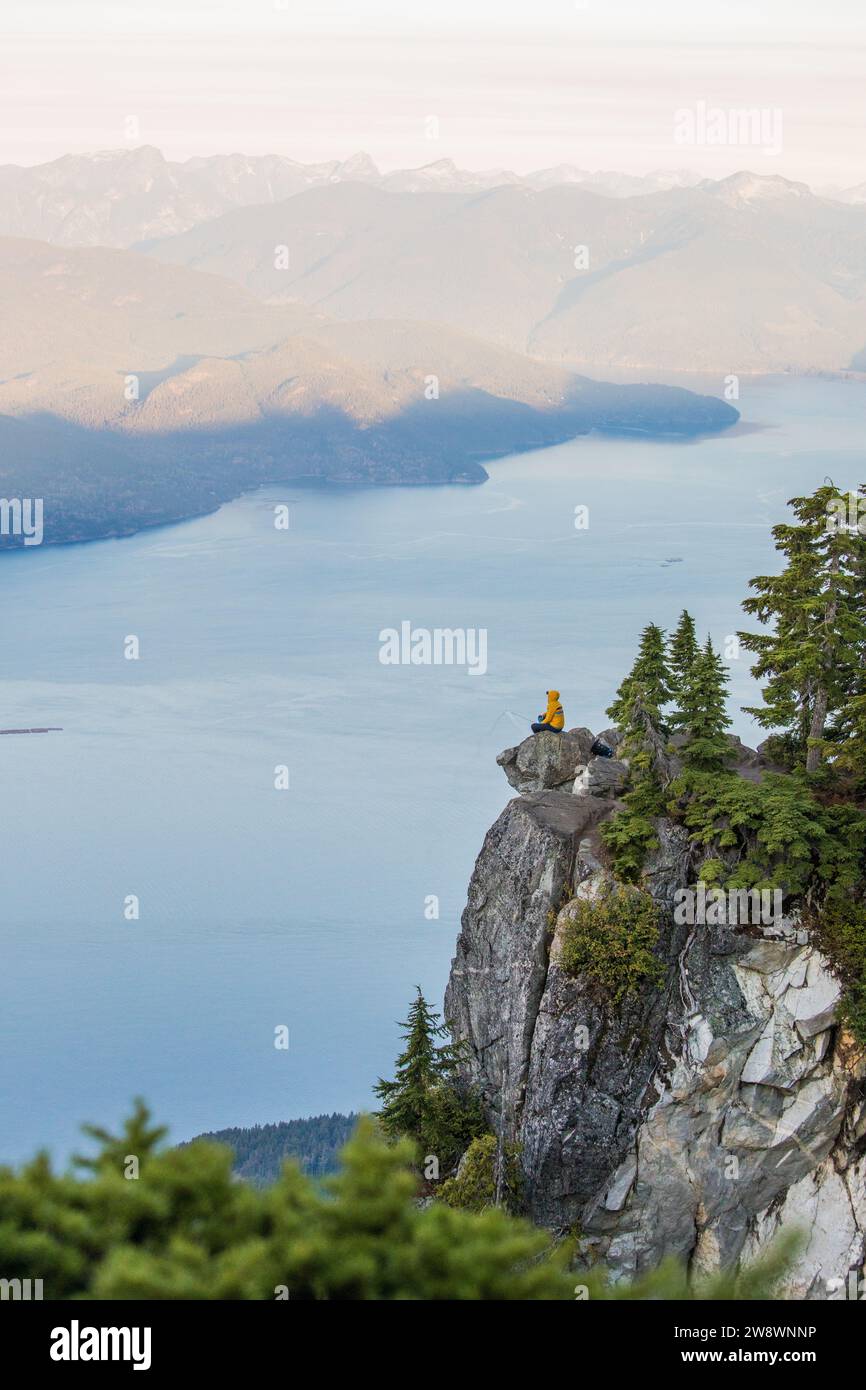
[260, 647]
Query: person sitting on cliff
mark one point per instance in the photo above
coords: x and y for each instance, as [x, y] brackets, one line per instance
[553, 719]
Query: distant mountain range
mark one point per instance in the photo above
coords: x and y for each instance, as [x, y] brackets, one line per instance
[662, 273]
[134, 392]
[177, 333]
[118, 197]
[748, 274]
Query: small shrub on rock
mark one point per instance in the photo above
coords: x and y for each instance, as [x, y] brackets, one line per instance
[612, 940]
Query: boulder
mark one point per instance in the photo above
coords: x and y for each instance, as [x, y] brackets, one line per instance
[546, 762]
[611, 737]
[604, 777]
[813, 1006]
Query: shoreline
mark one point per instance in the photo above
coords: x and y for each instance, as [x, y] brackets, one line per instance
[321, 483]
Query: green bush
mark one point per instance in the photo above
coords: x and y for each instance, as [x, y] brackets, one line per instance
[630, 835]
[474, 1187]
[840, 928]
[777, 833]
[186, 1228]
[612, 940]
[852, 1008]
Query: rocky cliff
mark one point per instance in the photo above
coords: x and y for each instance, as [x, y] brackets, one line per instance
[708, 1110]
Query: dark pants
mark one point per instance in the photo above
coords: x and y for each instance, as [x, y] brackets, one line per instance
[543, 728]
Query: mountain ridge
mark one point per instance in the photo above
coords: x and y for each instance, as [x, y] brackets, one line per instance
[742, 275]
[136, 393]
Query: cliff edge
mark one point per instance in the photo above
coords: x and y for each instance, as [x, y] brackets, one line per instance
[716, 1104]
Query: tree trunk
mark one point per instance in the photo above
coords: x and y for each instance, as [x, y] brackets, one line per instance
[816, 731]
[822, 695]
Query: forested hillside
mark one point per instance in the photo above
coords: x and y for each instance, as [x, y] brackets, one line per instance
[259, 1152]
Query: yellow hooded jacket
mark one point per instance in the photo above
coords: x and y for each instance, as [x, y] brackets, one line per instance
[553, 715]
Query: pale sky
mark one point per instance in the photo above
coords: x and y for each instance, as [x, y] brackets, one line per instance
[596, 83]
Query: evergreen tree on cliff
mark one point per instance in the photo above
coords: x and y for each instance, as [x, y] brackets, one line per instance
[852, 730]
[703, 714]
[683, 650]
[811, 660]
[637, 712]
[648, 682]
[424, 1101]
[852, 717]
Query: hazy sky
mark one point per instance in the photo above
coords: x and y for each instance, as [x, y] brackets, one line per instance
[595, 83]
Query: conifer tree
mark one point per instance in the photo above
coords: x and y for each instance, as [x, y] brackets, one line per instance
[637, 712]
[852, 729]
[424, 1101]
[852, 716]
[818, 610]
[648, 681]
[139, 1138]
[703, 713]
[683, 651]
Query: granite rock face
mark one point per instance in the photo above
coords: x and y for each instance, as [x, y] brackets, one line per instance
[523, 876]
[546, 762]
[699, 1117]
[600, 777]
[745, 1106]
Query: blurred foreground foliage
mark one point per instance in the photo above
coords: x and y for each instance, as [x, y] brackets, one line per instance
[186, 1228]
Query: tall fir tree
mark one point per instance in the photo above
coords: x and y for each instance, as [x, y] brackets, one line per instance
[817, 607]
[648, 682]
[638, 713]
[703, 714]
[425, 1102]
[683, 650]
[851, 756]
